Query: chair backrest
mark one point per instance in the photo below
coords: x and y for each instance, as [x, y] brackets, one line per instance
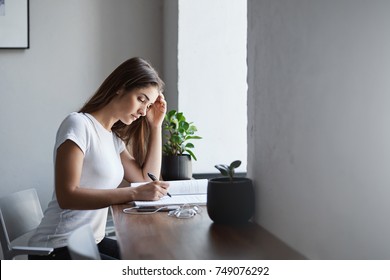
[82, 245]
[20, 213]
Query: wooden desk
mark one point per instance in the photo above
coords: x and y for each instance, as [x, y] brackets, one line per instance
[159, 236]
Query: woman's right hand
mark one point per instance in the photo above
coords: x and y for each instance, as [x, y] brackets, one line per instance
[150, 191]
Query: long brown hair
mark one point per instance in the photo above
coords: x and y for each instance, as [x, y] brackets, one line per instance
[131, 74]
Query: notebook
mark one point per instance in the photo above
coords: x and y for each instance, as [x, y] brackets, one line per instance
[193, 192]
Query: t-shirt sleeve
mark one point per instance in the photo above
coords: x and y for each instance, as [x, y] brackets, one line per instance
[119, 144]
[73, 128]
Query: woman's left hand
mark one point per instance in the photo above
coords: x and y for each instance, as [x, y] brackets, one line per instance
[156, 112]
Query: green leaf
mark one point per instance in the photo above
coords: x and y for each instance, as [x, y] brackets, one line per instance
[191, 154]
[190, 145]
[176, 139]
[184, 125]
[223, 169]
[193, 128]
[188, 137]
[235, 164]
[181, 130]
[170, 114]
[180, 117]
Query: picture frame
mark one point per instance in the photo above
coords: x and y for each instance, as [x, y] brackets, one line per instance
[14, 24]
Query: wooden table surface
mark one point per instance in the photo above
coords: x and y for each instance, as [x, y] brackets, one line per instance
[159, 236]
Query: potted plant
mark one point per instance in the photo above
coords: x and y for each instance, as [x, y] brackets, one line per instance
[230, 200]
[177, 148]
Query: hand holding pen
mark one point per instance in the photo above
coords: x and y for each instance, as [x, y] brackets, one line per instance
[151, 176]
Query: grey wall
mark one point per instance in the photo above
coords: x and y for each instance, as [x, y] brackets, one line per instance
[170, 52]
[74, 45]
[319, 134]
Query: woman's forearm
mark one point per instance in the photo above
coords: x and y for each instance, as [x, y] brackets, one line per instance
[154, 155]
[78, 198]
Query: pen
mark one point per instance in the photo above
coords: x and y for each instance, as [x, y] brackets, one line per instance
[151, 176]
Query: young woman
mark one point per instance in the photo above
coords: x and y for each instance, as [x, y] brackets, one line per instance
[116, 135]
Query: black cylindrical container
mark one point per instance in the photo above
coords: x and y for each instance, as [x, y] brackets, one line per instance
[230, 202]
[176, 167]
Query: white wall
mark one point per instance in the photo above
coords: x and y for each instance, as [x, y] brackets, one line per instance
[319, 137]
[212, 86]
[74, 45]
[170, 51]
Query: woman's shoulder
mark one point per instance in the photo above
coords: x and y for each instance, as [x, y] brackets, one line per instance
[76, 118]
[74, 127]
[76, 121]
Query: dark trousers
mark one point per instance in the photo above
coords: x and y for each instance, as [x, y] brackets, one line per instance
[108, 249]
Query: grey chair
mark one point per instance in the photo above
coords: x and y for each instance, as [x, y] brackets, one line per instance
[82, 245]
[20, 214]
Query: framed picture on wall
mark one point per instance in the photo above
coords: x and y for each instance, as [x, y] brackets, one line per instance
[14, 24]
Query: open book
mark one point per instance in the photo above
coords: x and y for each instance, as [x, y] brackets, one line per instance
[193, 192]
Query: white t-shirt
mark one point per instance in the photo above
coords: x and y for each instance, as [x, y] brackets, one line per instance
[102, 169]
